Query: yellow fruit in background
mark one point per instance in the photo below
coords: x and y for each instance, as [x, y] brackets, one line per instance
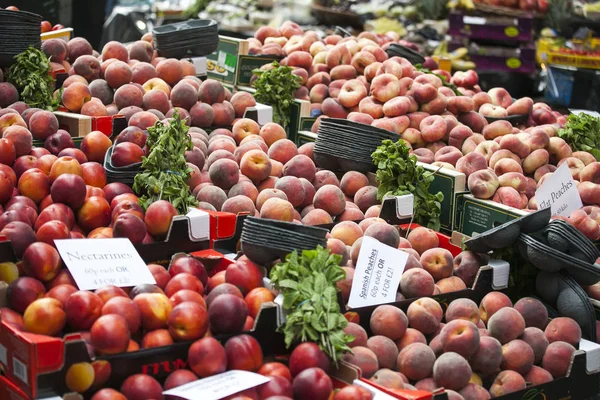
[8, 272]
[80, 377]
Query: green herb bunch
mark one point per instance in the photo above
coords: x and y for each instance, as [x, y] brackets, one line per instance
[307, 283]
[165, 171]
[582, 133]
[31, 74]
[398, 174]
[276, 88]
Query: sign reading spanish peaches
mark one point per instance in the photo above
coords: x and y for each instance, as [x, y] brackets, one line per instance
[377, 274]
[94, 263]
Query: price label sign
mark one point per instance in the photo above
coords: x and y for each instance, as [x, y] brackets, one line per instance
[99, 262]
[559, 193]
[377, 274]
[218, 386]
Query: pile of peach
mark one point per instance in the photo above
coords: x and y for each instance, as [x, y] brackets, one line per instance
[478, 352]
[257, 170]
[131, 80]
[429, 270]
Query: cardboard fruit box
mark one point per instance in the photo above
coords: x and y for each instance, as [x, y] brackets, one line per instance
[473, 216]
[38, 365]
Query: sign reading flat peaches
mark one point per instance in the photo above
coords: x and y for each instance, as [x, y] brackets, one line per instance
[377, 274]
[559, 192]
[99, 262]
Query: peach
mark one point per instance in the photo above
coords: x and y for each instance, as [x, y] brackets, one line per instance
[584, 156]
[424, 314]
[506, 324]
[410, 336]
[241, 101]
[255, 164]
[471, 163]
[117, 74]
[451, 371]
[352, 181]
[366, 197]
[483, 183]
[224, 173]
[158, 84]
[558, 149]
[74, 96]
[170, 70]
[212, 195]
[537, 376]
[449, 155]
[423, 239]
[563, 329]
[507, 382]
[347, 231]
[128, 95]
[491, 304]
[535, 338]
[460, 336]
[116, 50]
[275, 208]
[385, 87]
[331, 199]
[466, 266]
[463, 309]
[363, 358]
[438, 262]
[517, 356]
[317, 217]
[533, 311]
[385, 349]
[385, 233]
[388, 321]
[487, 356]
[557, 358]
[88, 67]
[416, 361]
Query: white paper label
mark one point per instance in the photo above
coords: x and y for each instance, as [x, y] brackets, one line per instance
[218, 386]
[377, 274]
[559, 192]
[99, 262]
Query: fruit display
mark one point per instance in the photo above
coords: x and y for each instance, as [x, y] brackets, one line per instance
[271, 294]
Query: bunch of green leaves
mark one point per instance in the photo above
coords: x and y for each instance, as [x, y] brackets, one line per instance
[31, 74]
[398, 175]
[307, 283]
[276, 87]
[582, 133]
[165, 171]
[445, 82]
[432, 9]
[194, 9]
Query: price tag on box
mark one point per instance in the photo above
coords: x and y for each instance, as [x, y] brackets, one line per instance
[377, 274]
[218, 386]
[99, 262]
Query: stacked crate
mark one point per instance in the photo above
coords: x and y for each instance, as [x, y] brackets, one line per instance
[495, 42]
